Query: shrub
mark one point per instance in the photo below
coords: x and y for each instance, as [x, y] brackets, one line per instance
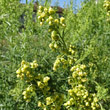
[60, 63]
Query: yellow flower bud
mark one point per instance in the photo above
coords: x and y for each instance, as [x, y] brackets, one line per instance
[39, 12]
[74, 75]
[62, 19]
[23, 62]
[73, 68]
[95, 99]
[68, 103]
[45, 10]
[39, 104]
[18, 76]
[55, 46]
[45, 108]
[93, 108]
[25, 67]
[71, 92]
[24, 93]
[54, 35]
[50, 30]
[50, 23]
[46, 79]
[65, 104]
[28, 89]
[89, 99]
[39, 83]
[83, 67]
[18, 71]
[39, 18]
[48, 101]
[50, 18]
[72, 101]
[43, 20]
[51, 45]
[47, 20]
[28, 100]
[84, 96]
[80, 74]
[84, 79]
[41, 23]
[64, 25]
[54, 68]
[87, 103]
[25, 97]
[108, 14]
[23, 70]
[51, 10]
[43, 15]
[40, 7]
[56, 21]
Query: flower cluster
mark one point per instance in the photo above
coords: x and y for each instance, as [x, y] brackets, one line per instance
[28, 93]
[26, 71]
[42, 84]
[52, 102]
[78, 74]
[80, 97]
[48, 15]
[79, 94]
[38, 82]
[72, 51]
[60, 61]
[44, 13]
[65, 60]
[107, 7]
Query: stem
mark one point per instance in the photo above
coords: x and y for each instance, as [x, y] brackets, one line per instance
[63, 42]
[26, 1]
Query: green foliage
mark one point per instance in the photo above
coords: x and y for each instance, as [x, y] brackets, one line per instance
[81, 38]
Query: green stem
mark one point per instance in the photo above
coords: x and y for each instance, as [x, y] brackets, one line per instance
[63, 42]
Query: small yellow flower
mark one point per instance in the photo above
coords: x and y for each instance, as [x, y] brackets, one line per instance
[56, 21]
[18, 71]
[45, 10]
[41, 23]
[25, 97]
[55, 46]
[28, 100]
[39, 17]
[50, 23]
[40, 7]
[54, 35]
[46, 79]
[23, 70]
[51, 10]
[18, 76]
[24, 93]
[39, 83]
[43, 15]
[51, 45]
[95, 99]
[87, 103]
[23, 62]
[48, 101]
[50, 18]
[39, 104]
